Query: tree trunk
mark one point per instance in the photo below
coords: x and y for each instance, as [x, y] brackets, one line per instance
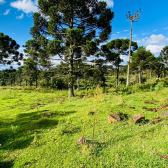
[78, 84]
[36, 78]
[19, 80]
[71, 81]
[128, 71]
[117, 75]
[164, 73]
[150, 74]
[140, 76]
[78, 81]
[30, 82]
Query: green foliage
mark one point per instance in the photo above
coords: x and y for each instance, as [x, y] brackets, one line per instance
[37, 52]
[58, 84]
[3, 83]
[164, 54]
[90, 48]
[122, 80]
[113, 49]
[140, 58]
[159, 86]
[8, 50]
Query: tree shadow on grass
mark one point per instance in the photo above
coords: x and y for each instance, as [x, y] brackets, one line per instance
[20, 144]
[28, 164]
[36, 115]
[8, 164]
[18, 133]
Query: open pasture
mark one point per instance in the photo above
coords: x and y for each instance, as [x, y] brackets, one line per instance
[41, 129]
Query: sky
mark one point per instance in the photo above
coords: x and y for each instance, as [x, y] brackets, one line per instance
[150, 31]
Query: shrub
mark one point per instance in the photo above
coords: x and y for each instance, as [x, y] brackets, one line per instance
[122, 80]
[159, 86]
[3, 83]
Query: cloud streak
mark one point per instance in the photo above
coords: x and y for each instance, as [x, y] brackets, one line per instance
[20, 17]
[7, 12]
[144, 34]
[155, 30]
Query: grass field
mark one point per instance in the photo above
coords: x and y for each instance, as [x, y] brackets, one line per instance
[41, 129]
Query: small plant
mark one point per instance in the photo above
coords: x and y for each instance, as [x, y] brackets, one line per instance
[97, 101]
[34, 142]
[83, 128]
[37, 106]
[85, 112]
[14, 130]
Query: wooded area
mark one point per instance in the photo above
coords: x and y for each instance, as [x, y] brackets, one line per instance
[70, 50]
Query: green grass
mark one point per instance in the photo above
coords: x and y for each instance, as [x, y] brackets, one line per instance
[40, 128]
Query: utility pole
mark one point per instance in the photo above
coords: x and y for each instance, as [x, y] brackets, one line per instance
[133, 18]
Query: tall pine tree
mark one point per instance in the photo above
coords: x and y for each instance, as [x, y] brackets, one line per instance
[72, 25]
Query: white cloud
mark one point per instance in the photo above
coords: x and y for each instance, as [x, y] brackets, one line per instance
[155, 49]
[155, 43]
[138, 41]
[155, 30]
[118, 32]
[7, 12]
[110, 3]
[21, 49]
[2, 1]
[125, 59]
[166, 28]
[109, 64]
[125, 30]
[27, 6]
[20, 17]
[156, 39]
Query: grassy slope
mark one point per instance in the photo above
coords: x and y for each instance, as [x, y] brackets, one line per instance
[29, 138]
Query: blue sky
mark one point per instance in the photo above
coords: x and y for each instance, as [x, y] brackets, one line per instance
[151, 31]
